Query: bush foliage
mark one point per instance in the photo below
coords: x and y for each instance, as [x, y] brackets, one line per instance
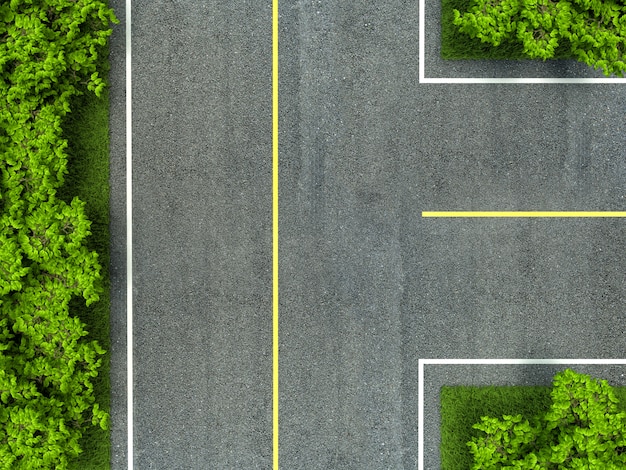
[593, 30]
[48, 54]
[582, 429]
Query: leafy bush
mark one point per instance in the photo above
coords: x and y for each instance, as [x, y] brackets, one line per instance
[583, 429]
[595, 30]
[48, 53]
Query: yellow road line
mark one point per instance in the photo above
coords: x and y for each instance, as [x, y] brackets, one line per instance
[275, 231]
[523, 214]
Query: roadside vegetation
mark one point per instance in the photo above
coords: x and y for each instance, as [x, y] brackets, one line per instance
[580, 421]
[54, 307]
[86, 129]
[590, 31]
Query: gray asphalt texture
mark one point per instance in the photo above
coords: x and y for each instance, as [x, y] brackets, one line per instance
[367, 287]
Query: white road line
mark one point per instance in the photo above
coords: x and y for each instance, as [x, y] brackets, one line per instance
[477, 80]
[522, 80]
[422, 42]
[129, 237]
[521, 361]
[420, 418]
[420, 384]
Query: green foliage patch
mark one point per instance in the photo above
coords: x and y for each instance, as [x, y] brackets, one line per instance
[591, 31]
[456, 45]
[506, 426]
[50, 51]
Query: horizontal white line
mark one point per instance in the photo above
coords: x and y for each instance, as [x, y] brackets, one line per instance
[521, 80]
[520, 361]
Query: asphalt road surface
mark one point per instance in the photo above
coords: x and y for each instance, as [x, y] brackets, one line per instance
[367, 286]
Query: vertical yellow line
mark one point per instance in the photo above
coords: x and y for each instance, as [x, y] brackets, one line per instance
[275, 229]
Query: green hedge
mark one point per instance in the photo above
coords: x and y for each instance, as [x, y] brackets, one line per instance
[462, 407]
[49, 55]
[591, 31]
[456, 45]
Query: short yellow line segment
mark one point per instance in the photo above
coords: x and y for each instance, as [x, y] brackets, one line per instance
[275, 232]
[524, 214]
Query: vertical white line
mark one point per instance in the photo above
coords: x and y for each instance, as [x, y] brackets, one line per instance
[129, 237]
[422, 39]
[420, 417]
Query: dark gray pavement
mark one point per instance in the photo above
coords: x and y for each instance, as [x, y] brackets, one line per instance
[202, 235]
[367, 287]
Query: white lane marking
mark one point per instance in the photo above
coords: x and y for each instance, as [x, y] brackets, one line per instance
[129, 238]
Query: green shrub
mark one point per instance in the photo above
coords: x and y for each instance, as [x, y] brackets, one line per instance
[583, 429]
[48, 53]
[594, 30]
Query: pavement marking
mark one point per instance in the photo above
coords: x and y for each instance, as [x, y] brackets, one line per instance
[420, 383]
[502, 80]
[129, 238]
[523, 214]
[422, 42]
[529, 80]
[275, 230]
